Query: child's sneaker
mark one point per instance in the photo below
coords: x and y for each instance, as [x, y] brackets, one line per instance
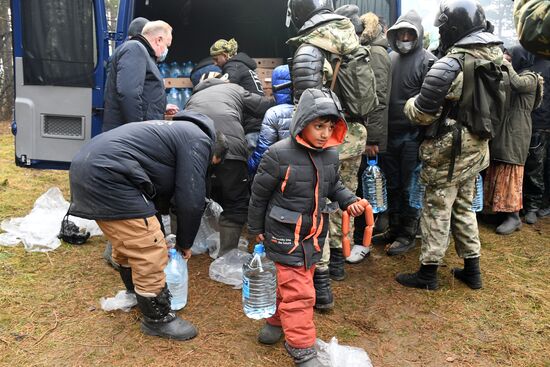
[358, 254]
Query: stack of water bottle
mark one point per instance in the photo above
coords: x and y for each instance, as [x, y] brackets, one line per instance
[259, 285]
[417, 191]
[177, 96]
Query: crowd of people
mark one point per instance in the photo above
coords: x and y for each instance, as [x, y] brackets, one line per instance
[288, 167]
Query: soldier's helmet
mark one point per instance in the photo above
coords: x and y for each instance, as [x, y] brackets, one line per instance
[457, 19]
[301, 10]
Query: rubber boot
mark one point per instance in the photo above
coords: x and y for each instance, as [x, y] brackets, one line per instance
[336, 264]
[324, 300]
[381, 223]
[126, 276]
[230, 232]
[424, 278]
[270, 334]
[511, 224]
[303, 357]
[471, 274]
[108, 255]
[160, 320]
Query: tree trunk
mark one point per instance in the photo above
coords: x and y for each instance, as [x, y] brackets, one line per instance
[6, 63]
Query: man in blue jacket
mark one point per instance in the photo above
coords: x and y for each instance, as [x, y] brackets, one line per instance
[123, 177]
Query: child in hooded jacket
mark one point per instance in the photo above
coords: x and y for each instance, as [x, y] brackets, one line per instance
[289, 211]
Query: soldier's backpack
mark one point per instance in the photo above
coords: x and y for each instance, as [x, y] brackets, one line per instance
[354, 82]
[485, 99]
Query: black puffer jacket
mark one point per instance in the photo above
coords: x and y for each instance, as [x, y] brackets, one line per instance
[290, 191]
[136, 169]
[225, 103]
[134, 90]
[408, 72]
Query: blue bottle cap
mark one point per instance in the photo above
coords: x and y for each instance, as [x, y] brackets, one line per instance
[172, 252]
[259, 248]
[372, 161]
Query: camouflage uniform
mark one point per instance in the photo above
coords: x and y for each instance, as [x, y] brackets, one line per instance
[447, 204]
[339, 37]
[532, 18]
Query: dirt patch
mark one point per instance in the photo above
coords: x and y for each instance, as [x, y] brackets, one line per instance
[50, 313]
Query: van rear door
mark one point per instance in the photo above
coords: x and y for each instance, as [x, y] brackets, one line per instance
[60, 50]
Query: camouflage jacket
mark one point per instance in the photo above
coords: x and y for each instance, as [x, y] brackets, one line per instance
[532, 18]
[436, 153]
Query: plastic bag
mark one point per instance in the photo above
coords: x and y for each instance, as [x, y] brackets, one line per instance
[209, 226]
[39, 229]
[228, 269]
[122, 301]
[334, 355]
[213, 244]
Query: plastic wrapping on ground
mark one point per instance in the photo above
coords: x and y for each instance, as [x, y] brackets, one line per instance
[122, 301]
[333, 354]
[209, 226]
[228, 269]
[39, 229]
[213, 244]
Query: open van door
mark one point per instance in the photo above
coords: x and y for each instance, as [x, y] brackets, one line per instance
[60, 52]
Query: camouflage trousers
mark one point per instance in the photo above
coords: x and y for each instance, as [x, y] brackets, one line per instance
[449, 208]
[350, 153]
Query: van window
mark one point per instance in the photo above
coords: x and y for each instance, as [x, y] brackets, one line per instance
[58, 42]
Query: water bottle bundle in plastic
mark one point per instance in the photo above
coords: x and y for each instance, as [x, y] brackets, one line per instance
[374, 186]
[477, 203]
[417, 189]
[174, 97]
[177, 279]
[259, 285]
[175, 70]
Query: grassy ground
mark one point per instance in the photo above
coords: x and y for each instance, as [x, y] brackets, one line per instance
[50, 313]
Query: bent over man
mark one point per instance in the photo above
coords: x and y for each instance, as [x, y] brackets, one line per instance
[121, 178]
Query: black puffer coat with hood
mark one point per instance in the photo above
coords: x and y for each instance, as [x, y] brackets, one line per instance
[408, 72]
[290, 191]
[134, 170]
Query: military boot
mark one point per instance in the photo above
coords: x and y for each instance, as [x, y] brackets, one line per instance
[511, 224]
[303, 357]
[160, 320]
[424, 278]
[324, 299]
[126, 276]
[336, 264]
[471, 274]
[270, 334]
[230, 232]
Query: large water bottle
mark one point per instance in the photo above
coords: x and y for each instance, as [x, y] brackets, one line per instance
[177, 279]
[374, 186]
[477, 203]
[164, 70]
[174, 97]
[186, 69]
[259, 285]
[185, 95]
[417, 189]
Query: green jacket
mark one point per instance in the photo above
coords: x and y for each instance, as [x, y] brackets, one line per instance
[532, 18]
[513, 135]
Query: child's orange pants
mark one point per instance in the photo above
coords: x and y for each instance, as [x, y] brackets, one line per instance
[295, 300]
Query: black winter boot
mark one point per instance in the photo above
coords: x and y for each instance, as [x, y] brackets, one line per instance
[424, 278]
[159, 320]
[270, 334]
[471, 274]
[303, 357]
[324, 299]
[383, 239]
[511, 224]
[126, 276]
[229, 235]
[336, 264]
[400, 246]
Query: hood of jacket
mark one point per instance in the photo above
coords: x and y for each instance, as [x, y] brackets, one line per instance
[204, 122]
[208, 83]
[245, 59]
[316, 103]
[336, 36]
[410, 20]
[373, 33]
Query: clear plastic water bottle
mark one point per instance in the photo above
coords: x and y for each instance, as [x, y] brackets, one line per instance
[186, 69]
[175, 70]
[417, 189]
[164, 70]
[259, 285]
[374, 186]
[174, 97]
[185, 95]
[477, 203]
[177, 279]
